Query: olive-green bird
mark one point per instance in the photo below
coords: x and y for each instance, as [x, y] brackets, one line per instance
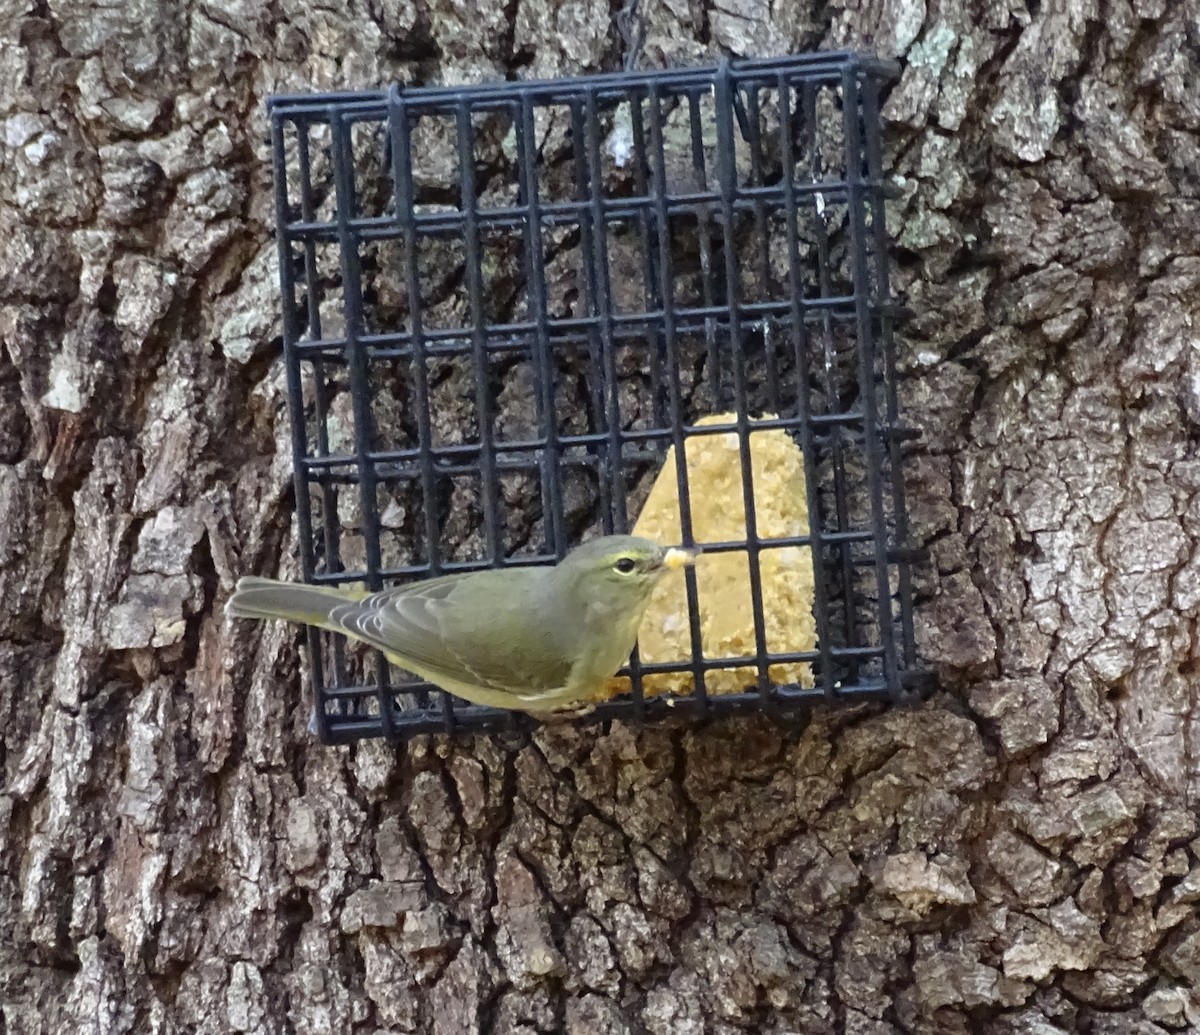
[535, 639]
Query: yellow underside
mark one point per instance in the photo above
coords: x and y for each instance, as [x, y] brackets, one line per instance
[564, 698]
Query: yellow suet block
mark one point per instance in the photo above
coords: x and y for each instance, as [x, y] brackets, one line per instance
[718, 514]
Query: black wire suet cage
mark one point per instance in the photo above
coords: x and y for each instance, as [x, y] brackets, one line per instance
[504, 303]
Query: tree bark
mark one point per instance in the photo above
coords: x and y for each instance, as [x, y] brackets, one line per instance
[1019, 854]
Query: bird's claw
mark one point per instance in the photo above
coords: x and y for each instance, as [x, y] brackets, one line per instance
[564, 714]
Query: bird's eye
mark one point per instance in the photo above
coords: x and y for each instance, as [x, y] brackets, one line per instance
[625, 565]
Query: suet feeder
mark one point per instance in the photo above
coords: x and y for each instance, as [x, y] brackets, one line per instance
[509, 308]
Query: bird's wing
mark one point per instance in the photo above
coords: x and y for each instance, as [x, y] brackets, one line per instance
[441, 627]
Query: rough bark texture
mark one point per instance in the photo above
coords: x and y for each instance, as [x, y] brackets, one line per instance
[1021, 854]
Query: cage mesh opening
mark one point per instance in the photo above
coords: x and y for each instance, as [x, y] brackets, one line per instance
[503, 304]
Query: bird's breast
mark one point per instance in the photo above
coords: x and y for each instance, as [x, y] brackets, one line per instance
[608, 635]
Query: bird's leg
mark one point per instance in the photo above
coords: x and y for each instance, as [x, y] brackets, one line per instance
[564, 714]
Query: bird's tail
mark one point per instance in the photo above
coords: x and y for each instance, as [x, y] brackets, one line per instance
[256, 597]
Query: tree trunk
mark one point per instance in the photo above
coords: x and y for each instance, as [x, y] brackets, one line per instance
[1019, 854]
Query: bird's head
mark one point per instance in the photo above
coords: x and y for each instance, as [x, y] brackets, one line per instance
[620, 571]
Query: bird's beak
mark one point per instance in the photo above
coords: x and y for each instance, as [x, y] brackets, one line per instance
[679, 557]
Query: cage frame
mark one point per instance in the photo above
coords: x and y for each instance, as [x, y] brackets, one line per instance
[859, 77]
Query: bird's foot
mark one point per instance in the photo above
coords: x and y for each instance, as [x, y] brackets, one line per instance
[564, 714]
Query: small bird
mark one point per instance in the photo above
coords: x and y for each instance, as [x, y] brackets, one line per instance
[538, 639]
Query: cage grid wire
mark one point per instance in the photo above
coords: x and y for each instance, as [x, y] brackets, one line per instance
[503, 303]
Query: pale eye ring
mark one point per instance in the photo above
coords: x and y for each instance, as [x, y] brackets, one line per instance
[625, 565]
